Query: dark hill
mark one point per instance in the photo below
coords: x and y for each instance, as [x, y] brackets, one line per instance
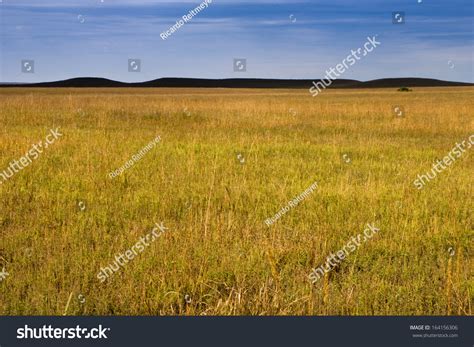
[93, 82]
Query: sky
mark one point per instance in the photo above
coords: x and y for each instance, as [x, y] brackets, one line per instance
[279, 39]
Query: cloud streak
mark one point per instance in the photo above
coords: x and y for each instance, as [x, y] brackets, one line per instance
[280, 39]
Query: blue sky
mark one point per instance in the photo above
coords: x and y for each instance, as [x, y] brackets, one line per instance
[279, 39]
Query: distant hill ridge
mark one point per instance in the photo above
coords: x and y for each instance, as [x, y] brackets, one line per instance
[94, 82]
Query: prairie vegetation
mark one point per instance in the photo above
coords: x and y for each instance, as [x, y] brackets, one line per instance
[227, 161]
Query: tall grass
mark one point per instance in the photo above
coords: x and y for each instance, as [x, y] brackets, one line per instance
[218, 256]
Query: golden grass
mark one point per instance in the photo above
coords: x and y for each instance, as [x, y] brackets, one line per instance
[218, 250]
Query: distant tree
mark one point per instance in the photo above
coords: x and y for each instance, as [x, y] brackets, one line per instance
[404, 89]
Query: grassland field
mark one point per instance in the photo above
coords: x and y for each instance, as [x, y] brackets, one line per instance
[218, 257]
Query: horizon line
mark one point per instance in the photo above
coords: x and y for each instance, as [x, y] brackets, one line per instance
[95, 79]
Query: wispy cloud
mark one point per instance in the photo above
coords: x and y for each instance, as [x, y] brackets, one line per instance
[280, 39]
